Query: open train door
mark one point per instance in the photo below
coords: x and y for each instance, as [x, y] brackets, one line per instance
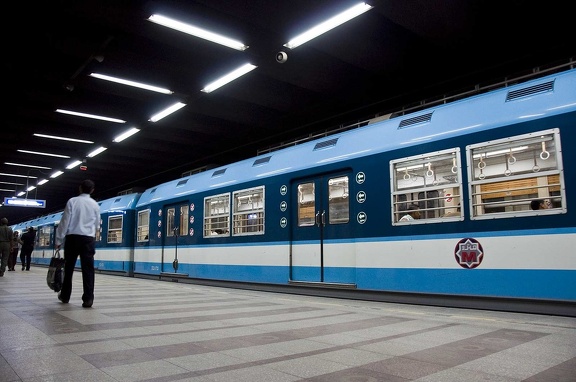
[321, 211]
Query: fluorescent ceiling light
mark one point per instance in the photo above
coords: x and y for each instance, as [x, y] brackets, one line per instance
[125, 135]
[31, 188]
[73, 164]
[131, 83]
[96, 152]
[17, 175]
[21, 193]
[327, 25]
[229, 77]
[169, 110]
[12, 183]
[62, 138]
[94, 116]
[56, 174]
[46, 154]
[6, 190]
[26, 165]
[43, 181]
[198, 32]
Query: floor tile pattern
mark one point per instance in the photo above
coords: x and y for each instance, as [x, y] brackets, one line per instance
[147, 330]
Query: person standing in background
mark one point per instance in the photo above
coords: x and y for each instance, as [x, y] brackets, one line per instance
[28, 239]
[77, 230]
[6, 237]
[13, 259]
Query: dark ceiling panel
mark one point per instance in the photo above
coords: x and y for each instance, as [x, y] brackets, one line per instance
[399, 54]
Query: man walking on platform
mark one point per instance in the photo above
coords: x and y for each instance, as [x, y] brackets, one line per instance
[77, 230]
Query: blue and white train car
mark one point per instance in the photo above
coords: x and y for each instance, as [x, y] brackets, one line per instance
[45, 227]
[115, 239]
[328, 213]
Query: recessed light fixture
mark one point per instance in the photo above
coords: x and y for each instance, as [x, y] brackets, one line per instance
[327, 25]
[198, 32]
[229, 77]
[93, 116]
[169, 110]
[126, 134]
[131, 83]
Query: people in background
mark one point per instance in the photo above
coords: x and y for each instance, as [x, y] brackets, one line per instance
[77, 230]
[453, 213]
[28, 239]
[6, 237]
[16, 244]
[540, 204]
[413, 212]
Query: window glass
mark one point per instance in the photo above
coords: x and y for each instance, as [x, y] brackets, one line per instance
[426, 188]
[143, 228]
[115, 229]
[44, 235]
[306, 204]
[217, 215]
[183, 228]
[338, 200]
[170, 223]
[248, 211]
[507, 175]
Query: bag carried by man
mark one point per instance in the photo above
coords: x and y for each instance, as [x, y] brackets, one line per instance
[55, 276]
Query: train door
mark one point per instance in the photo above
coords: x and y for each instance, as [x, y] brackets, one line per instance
[321, 220]
[175, 229]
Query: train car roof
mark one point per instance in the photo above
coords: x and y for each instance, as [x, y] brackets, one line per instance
[533, 99]
[119, 203]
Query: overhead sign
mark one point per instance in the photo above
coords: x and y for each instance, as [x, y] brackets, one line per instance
[15, 202]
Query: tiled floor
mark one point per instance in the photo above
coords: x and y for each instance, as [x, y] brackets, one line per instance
[146, 330]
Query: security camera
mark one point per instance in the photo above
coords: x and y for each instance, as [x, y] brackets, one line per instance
[281, 57]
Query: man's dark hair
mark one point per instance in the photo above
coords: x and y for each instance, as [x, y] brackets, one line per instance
[535, 204]
[87, 186]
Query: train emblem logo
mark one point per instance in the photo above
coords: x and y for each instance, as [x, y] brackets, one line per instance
[469, 253]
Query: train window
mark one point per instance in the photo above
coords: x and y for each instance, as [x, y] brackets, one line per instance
[183, 220]
[338, 201]
[170, 223]
[507, 174]
[306, 204]
[248, 212]
[431, 182]
[44, 235]
[217, 215]
[115, 229]
[143, 228]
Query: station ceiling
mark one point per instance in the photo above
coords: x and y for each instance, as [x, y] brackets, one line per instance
[395, 56]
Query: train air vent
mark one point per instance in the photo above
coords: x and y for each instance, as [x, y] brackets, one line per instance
[261, 161]
[424, 118]
[325, 144]
[218, 172]
[117, 200]
[530, 90]
[153, 191]
[182, 182]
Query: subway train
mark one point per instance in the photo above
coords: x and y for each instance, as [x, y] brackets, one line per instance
[327, 217]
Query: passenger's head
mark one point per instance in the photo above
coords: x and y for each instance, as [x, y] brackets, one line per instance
[87, 186]
[3, 221]
[540, 204]
[414, 211]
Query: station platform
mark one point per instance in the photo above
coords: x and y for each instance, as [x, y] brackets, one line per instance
[158, 331]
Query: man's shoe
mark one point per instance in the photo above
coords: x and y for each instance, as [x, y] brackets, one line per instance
[87, 304]
[62, 299]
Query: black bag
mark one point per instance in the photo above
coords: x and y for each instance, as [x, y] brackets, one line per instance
[55, 276]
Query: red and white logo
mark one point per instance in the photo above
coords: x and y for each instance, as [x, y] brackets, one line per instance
[469, 253]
